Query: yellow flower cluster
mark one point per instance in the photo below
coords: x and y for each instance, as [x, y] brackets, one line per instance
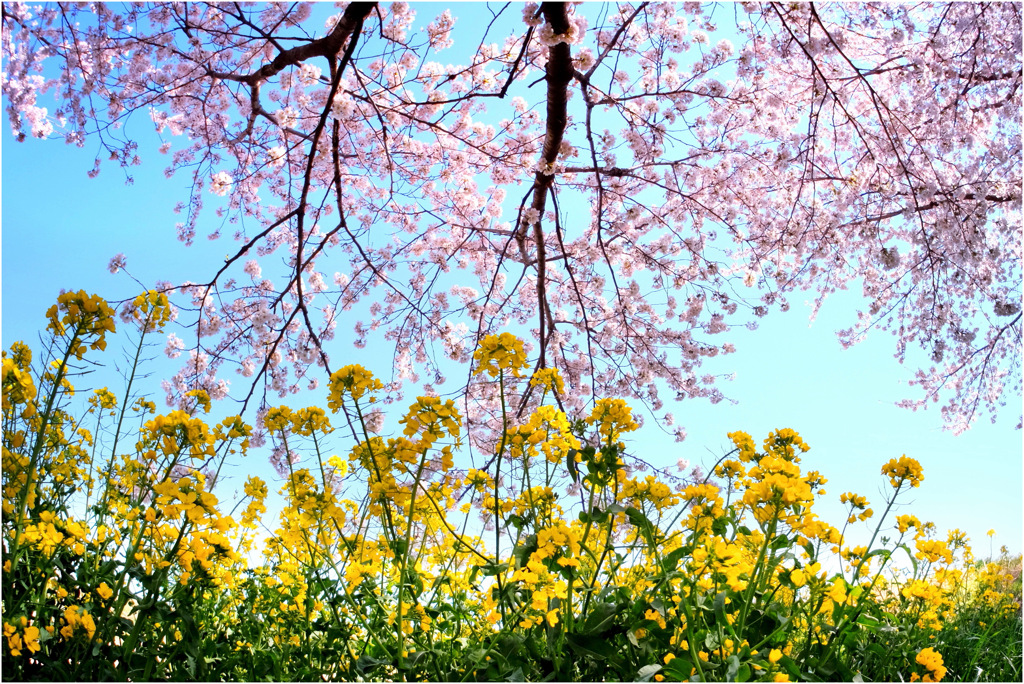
[177, 431]
[498, 353]
[933, 550]
[549, 380]
[719, 560]
[857, 503]
[776, 488]
[103, 398]
[706, 506]
[932, 661]
[930, 596]
[744, 443]
[256, 489]
[152, 310]
[801, 576]
[730, 469]
[18, 386]
[47, 536]
[21, 354]
[76, 621]
[88, 317]
[551, 541]
[785, 443]
[352, 381]
[277, 419]
[25, 639]
[548, 429]
[613, 417]
[202, 399]
[304, 421]
[903, 470]
[432, 419]
[905, 522]
[650, 489]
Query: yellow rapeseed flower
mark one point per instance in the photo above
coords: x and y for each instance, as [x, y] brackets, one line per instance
[613, 417]
[744, 444]
[932, 660]
[798, 577]
[152, 309]
[903, 470]
[548, 379]
[905, 522]
[498, 353]
[352, 381]
[18, 387]
[87, 317]
[77, 619]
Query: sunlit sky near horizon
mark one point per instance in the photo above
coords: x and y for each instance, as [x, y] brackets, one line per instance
[60, 230]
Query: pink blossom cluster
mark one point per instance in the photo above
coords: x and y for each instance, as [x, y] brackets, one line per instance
[679, 185]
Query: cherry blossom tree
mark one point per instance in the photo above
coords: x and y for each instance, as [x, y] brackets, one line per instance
[612, 179]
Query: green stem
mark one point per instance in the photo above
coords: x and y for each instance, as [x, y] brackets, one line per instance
[37, 449]
[752, 583]
[848, 619]
[497, 502]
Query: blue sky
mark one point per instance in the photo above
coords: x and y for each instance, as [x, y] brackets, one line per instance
[60, 229]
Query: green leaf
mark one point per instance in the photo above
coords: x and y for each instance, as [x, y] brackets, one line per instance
[585, 645]
[570, 463]
[647, 671]
[600, 619]
[679, 668]
[791, 668]
[366, 662]
[869, 622]
[414, 659]
[720, 608]
[670, 562]
[844, 670]
[490, 570]
[523, 551]
[720, 526]
[910, 555]
[733, 668]
[638, 519]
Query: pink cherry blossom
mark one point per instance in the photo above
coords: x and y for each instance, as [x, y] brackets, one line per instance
[117, 263]
[623, 186]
